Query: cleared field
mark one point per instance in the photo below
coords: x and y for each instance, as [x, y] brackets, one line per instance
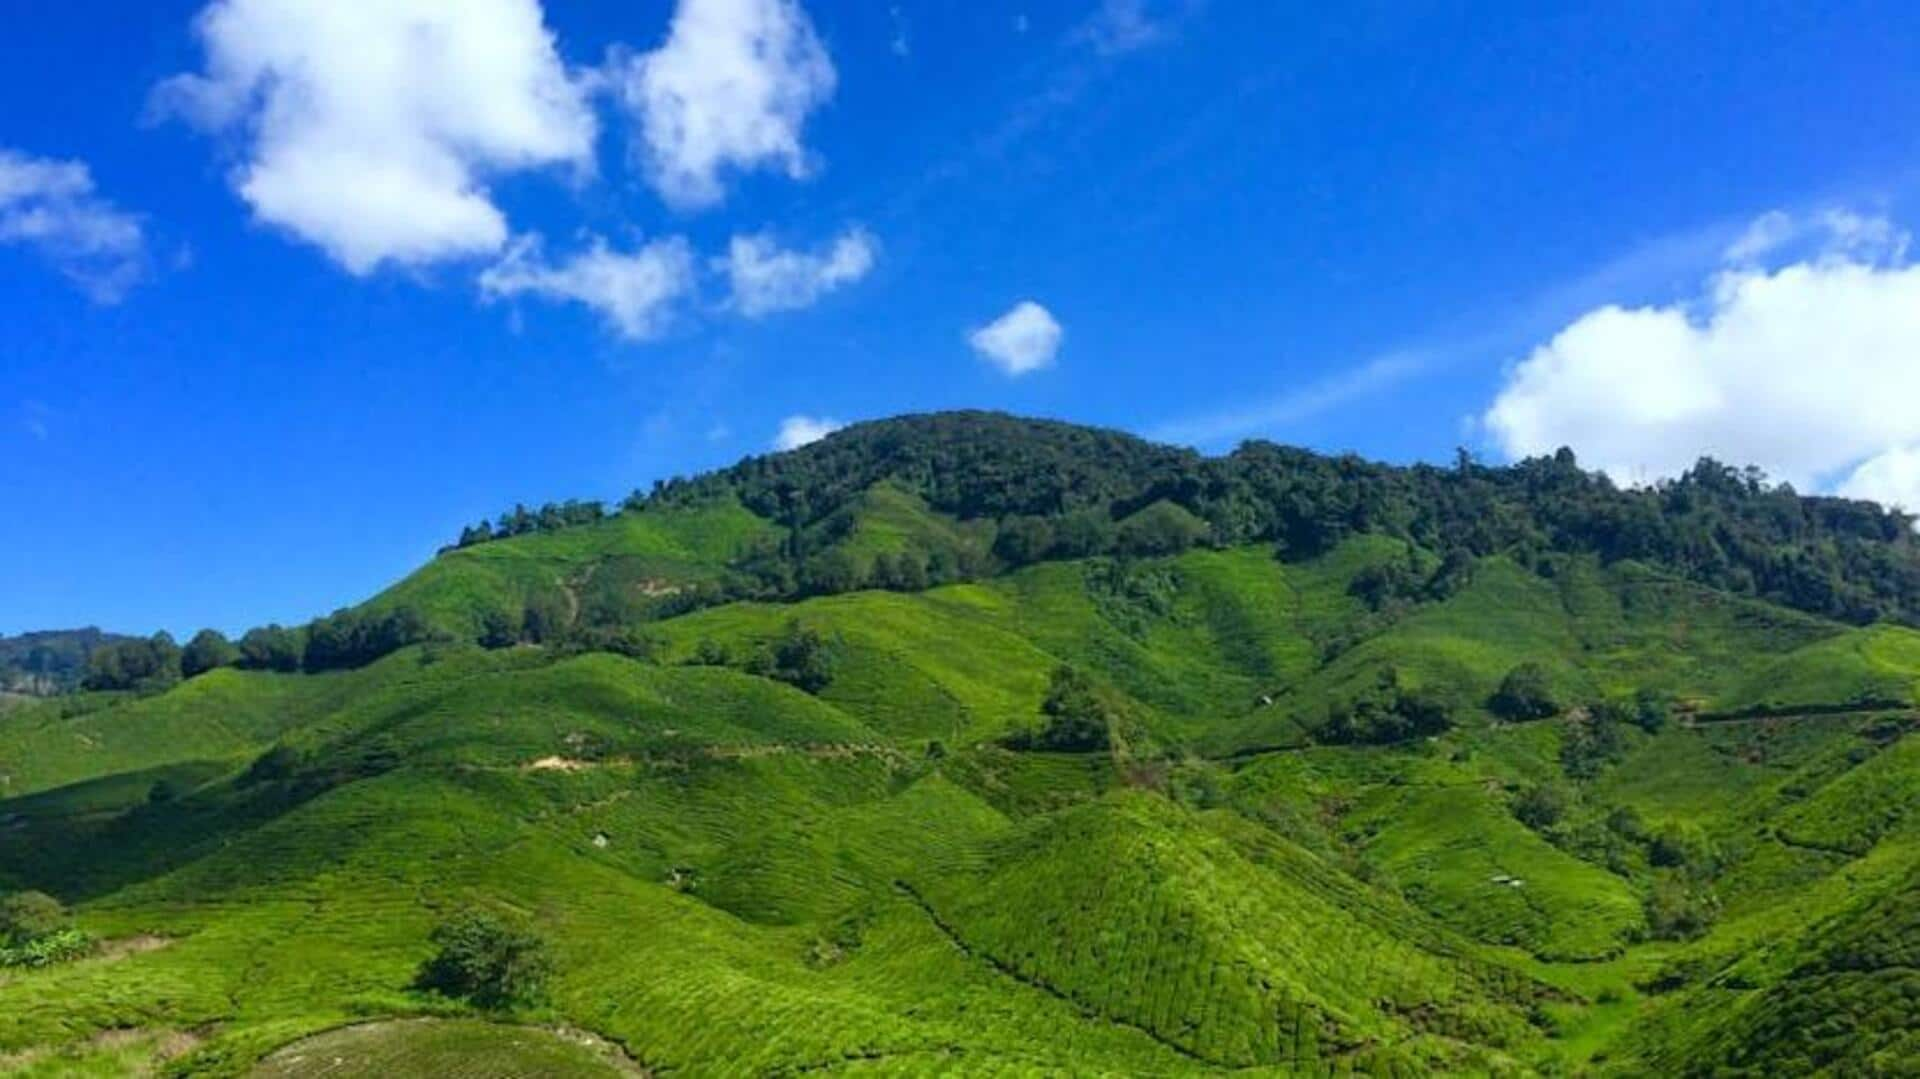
[446, 1048]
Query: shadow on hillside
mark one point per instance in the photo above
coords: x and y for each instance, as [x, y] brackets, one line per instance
[72, 842]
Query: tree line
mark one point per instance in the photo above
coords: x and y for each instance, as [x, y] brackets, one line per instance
[343, 639]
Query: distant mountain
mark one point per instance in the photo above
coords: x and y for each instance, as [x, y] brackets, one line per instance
[46, 662]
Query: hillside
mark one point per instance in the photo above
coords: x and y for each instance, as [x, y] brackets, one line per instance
[967, 744]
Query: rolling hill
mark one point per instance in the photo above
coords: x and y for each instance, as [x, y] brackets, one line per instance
[966, 744]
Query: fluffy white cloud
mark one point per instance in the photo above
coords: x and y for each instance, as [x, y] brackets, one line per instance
[798, 431]
[370, 128]
[1024, 339]
[729, 90]
[634, 292]
[1808, 369]
[50, 206]
[764, 278]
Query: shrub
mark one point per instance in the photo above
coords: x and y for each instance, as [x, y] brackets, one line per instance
[498, 629]
[616, 640]
[1388, 713]
[48, 949]
[1075, 719]
[1677, 911]
[545, 618]
[29, 915]
[1524, 694]
[1681, 846]
[804, 658]
[1587, 747]
[1541, 807]
[484, 958]
[1651, 710]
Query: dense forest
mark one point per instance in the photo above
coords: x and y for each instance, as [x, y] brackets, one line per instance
[1064, 491]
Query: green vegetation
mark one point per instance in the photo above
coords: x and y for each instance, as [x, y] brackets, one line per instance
[963, 745]
[486, 959]
[47, 662]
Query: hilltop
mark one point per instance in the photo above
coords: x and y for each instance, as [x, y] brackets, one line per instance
[969, 743]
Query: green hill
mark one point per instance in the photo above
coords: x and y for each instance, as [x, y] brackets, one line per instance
[970, 745]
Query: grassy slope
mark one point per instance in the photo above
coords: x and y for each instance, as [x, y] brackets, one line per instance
[618, 564]
[740, 876]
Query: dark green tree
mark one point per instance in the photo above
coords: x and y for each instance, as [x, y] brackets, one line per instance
[1526, 693]
[804, 658]
[1541, 806]
[1074, 716]
[1161, 529]
[271, 648]
[487, 959]
[208, 650]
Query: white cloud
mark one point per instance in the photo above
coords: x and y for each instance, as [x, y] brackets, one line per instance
[729, 90]
[1121, 26]
[765, 278]
[1807, 368]
[1891, 479]
[1024, 339]
[50, 206]
[370, 128]
[634, 292]
[798, 431]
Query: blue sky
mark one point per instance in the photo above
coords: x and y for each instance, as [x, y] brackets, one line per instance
[281, 316]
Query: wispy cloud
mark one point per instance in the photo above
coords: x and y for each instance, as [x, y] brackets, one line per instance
[633, 292]
[1121, 26]
[765, 278]
[36, 419]
[1296, 406]
[51, 207]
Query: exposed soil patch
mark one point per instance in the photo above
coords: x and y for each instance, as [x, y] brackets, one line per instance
[462, 1048]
